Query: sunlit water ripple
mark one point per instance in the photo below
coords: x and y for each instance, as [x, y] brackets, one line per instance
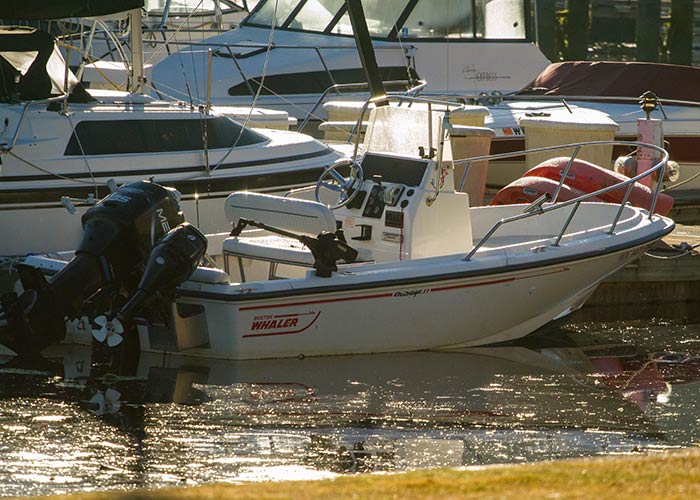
[70, 422]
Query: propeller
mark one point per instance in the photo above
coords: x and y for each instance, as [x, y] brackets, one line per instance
[110, 330]
[107, 402]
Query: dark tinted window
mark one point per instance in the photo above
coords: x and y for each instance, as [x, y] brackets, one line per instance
[316, 82]
[153, 136]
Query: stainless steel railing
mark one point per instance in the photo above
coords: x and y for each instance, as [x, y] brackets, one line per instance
[537, 209]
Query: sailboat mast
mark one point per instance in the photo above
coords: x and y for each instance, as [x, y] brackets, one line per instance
[366, 51]
[137, 75]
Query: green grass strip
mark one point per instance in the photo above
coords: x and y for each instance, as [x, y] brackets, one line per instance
[667, 476]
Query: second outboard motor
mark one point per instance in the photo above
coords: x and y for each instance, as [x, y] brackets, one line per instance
[171, 262]
[118, 235]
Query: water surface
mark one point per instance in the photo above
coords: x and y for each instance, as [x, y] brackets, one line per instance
[599, 384]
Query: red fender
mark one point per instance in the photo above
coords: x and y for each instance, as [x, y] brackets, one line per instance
[587, 177]
[528, 189]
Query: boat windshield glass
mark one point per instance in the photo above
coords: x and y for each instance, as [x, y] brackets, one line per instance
[316, 14]
[279, 10]
[486, 19]
[381, 16]
[452, 19]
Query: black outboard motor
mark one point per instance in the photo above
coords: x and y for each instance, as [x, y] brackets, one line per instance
[118, 235]
[171, 262]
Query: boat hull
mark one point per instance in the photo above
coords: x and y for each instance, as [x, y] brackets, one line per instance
[495, 305]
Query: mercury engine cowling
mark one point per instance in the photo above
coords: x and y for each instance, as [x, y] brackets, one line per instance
[171, 262]
[119, 234]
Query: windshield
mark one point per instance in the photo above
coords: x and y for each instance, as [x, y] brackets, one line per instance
[406, 19]
[381, 15]
[453, 19]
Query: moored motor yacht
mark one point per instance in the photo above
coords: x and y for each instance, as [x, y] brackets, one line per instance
[290, 52]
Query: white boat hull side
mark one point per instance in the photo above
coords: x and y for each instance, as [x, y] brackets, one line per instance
[36, 230]
[430, 314]
[34, 221]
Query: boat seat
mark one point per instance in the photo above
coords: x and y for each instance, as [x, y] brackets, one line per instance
[298, 216]
[271, 248]
[280, 249]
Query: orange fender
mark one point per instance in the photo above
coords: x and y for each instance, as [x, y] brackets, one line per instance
[528, 189]
[587, 177]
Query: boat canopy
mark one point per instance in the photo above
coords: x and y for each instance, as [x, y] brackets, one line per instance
[617, 79]
[405, 19]
[31, 67]
[59, 9]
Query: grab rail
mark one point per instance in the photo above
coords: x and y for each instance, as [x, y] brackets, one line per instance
[659, 166]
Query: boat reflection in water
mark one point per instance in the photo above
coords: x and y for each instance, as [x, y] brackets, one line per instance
[72, 423]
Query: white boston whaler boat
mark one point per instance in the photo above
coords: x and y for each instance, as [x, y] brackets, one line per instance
[400, 263]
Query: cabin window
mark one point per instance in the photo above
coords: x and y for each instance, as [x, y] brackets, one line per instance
[315, 15]
[156, 136]
[315, 82]
[266, 11]
[452, 19]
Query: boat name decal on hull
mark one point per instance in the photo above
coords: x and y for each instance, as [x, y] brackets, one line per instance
[412, 293]
[281, 324]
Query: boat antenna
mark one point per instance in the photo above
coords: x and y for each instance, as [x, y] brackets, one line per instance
[366, 51]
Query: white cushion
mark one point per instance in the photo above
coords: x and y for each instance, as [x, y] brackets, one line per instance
[292, 214]
[278, 249]
[271, 248]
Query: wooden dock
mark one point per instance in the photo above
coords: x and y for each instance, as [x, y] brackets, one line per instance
[669, 273]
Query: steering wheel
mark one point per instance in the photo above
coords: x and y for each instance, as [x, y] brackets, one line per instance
[347, 188]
